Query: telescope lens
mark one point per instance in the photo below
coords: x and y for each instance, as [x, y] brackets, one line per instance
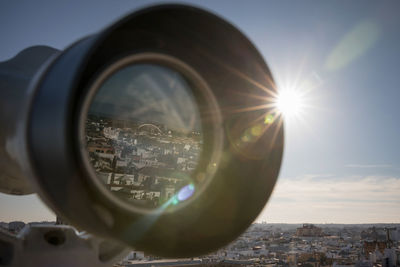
[143, 135]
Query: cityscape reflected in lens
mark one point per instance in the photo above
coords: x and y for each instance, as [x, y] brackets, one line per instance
[143, 135]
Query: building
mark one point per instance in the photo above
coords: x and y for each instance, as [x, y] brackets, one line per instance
[309, 230]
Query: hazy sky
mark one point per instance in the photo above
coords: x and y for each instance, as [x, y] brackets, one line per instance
[342, 157]
[148, 93]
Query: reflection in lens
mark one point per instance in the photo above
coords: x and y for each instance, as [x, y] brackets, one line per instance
[143, 135]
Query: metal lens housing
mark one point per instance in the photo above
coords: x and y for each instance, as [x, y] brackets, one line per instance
[242, 145]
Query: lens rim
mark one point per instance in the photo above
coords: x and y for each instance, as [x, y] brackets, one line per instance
[200, 92]
[234, 70]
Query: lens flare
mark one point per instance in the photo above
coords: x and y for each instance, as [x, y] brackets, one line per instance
[186, 192]
[290, 103]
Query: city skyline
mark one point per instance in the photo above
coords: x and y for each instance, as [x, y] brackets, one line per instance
[145, 165]
[286, 245]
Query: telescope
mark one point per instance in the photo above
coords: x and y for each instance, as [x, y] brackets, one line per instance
[157, 133]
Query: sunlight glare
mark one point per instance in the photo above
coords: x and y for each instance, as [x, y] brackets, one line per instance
[289, 103]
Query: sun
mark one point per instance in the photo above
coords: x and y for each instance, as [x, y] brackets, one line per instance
[297, 97]
[290, 103]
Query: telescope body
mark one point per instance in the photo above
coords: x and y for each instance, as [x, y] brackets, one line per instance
[158, 132]
[16, 77]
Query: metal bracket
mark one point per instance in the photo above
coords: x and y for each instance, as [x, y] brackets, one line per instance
[57, 245]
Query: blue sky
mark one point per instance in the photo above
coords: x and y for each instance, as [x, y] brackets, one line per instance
[342, 158]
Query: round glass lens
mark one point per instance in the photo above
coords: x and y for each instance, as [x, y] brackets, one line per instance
[143, 135]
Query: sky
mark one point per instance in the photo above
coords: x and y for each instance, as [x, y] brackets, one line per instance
[148, 93]
[341, 160]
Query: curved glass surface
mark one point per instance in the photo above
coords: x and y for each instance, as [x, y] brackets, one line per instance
[143, 135]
